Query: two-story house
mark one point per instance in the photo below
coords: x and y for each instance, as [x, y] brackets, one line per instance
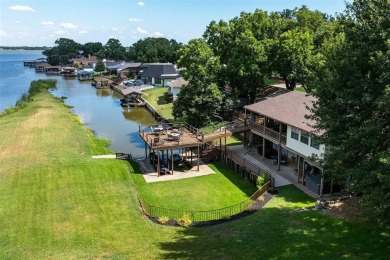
[281, 131]
[159, 74]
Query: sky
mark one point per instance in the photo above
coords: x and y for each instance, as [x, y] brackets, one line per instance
[41, 22]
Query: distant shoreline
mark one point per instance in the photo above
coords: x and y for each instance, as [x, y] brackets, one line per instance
[23, 48]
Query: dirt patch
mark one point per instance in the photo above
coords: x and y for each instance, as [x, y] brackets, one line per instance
[348, 208]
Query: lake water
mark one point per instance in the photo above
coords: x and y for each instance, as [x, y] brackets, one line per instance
[98, 109]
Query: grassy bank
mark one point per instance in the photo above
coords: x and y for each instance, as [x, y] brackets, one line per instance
[59, 203]
[155, 97]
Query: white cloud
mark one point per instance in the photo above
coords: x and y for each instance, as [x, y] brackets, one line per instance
[134, 20]
[115, 29]
[141, 30]
[3, 33]
[59, 32]
[157, 34]
[68, 25]
[47, 23]
[140, 3]
[18, 22]
[24, 8]
[83, 32]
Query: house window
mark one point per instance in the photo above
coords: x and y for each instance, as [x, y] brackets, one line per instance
[157, 81]
[314, 143]
[294, 133]
[304, 138]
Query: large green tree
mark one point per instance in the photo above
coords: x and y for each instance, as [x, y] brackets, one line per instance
[201, 98]
[64, 50]
[354, 105]
[154, 50]
[91, 48]
[113, 49]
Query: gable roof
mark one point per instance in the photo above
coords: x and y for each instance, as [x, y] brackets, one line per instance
[178, 83]
[289, 108]
[154, 70]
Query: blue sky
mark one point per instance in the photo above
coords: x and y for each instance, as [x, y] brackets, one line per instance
[41, 22]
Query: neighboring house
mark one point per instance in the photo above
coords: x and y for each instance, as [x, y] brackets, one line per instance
[176, 85]
[159, 74]
[85, 61]
[132, 67]
[281, 131]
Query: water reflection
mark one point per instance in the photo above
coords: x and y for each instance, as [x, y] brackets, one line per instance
[139, 115]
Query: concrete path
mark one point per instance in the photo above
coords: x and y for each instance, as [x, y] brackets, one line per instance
[240, 150]
[150, 174]
[106, 156]
[284, 176]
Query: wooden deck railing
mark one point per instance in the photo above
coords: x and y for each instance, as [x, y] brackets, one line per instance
[268, 132]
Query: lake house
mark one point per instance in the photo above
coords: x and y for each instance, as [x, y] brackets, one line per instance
[281, 131]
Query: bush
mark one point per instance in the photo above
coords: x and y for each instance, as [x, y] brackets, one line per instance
[163, 219]
[168, 97]
[261, 180]
[185, 221]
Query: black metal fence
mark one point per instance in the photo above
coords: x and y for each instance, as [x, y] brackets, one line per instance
[199, 216]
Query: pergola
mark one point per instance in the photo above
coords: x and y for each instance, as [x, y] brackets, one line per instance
[165, 137]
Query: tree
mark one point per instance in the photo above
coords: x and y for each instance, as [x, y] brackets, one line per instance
[100, 67]
[353, 105]
[113, 49]
[91, 48]
[241, 45]
[64, 50]
[201, 98]
[154, 50]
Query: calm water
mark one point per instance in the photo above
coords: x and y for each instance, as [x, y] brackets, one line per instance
[99, 110]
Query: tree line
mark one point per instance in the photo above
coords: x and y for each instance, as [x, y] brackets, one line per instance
[145, 50]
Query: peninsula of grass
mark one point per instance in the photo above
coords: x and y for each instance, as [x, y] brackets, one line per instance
[59, 203]
[156, 98]
[222, 189]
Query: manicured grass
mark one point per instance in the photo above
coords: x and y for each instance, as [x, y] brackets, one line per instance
[222, 189]
[234, 140]
[155, 97]
[59, 203]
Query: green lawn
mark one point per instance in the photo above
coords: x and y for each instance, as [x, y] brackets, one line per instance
[155, 97]
[214, 191]
[59, 203]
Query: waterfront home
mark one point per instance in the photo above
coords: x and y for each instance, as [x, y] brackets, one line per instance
[158, 74]
[282, 132]
[176, 85]
[122, 69]
[84, 61]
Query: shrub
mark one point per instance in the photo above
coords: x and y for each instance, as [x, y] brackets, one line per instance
[163, 219]
[261, 180]
[185, 221]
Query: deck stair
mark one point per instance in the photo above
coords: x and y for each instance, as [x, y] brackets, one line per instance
[210, 153]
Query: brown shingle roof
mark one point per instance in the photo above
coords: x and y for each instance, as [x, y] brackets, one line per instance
[289, 108]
